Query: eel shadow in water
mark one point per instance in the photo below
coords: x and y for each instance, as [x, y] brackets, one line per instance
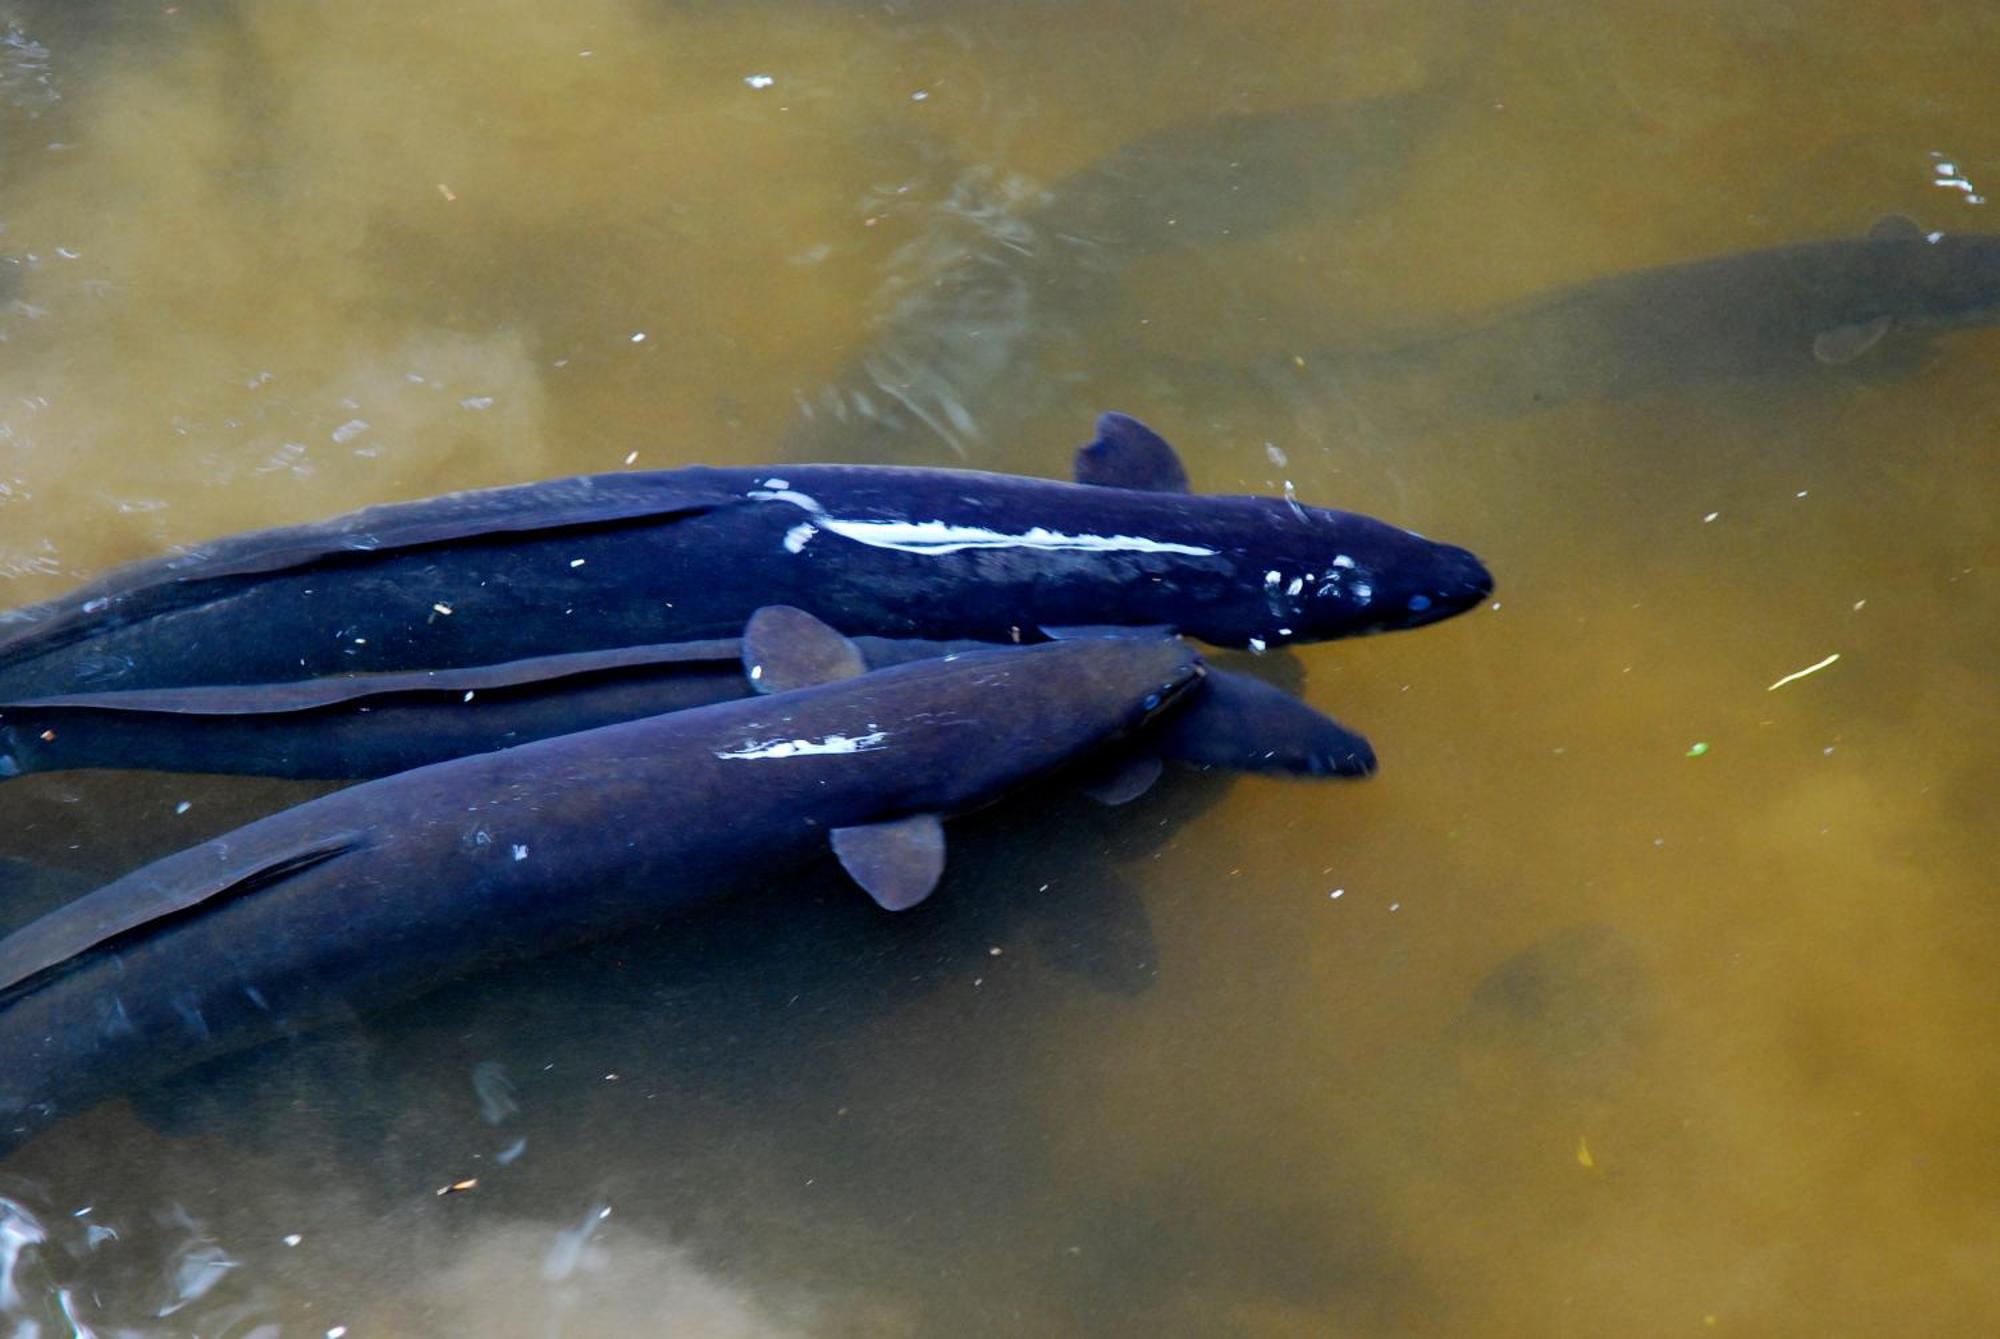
[1803, 314]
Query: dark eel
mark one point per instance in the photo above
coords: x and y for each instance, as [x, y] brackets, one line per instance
[373, 894]
[604, 561]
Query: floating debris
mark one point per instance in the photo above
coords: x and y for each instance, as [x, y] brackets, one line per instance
[1800, 674]
[1699, 747]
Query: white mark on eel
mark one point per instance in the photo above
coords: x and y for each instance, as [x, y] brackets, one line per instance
[801, 748]
[940, 537]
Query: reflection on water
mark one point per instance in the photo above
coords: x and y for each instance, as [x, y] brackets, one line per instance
[1561, 1025]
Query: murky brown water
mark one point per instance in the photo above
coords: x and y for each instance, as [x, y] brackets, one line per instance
[1550, 1029]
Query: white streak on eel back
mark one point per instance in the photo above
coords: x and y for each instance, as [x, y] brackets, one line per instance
[800, 748]
[939, 537]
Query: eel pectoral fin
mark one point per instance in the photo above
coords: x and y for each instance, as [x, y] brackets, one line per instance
[136, 902]
[1895, 228]
[1842, 344]
[1128, 454]
[898, 862]
[1125, 780]
[786, 648]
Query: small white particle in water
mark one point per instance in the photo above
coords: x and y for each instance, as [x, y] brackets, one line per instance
[1801, 493]
[468, 695]
[919, 95]
[610, 1078]
[1395, 906]
[441, 607]
[336, 1332]
[476, 402]
[349, 430]
[1711, 516]
[520, 851]
[993, 952]
[756, 673]
[1337, 893]
[1284, 632]
[759, 80]
[1858, 604]
[1276, 456]
[631, 457]
[1257, 644]
[1947, 170]
[293, 1239]
[183, 806]
[639, 337]
[1496, 604]
[576, 562]
[361, 641]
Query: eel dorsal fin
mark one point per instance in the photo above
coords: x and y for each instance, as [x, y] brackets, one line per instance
[898, 862]
[786, 648]
[136, 901]
[581, 502]
[160, 584]
[1128, 454]
[298, 695]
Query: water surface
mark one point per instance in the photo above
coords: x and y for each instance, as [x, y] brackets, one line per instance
[1633, 997]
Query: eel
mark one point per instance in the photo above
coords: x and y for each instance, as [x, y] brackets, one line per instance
[371, 895]
[597, 562]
